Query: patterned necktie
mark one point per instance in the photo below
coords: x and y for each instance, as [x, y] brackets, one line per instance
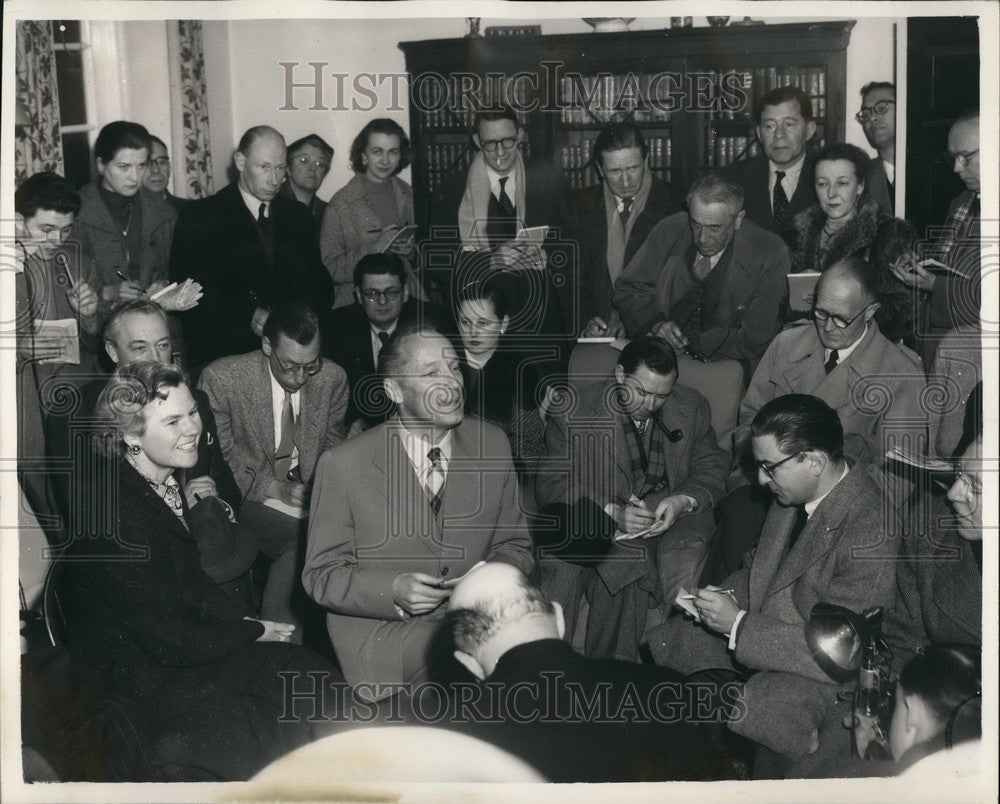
[779, 203]
[831, 361]
[261, 216]
[286, 446]
[640, 427]
[435, 479]
[702, 268]
[626, 210]
[506, 205]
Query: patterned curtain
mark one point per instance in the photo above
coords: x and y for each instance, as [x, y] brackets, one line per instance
[40, 146]
[192, 144]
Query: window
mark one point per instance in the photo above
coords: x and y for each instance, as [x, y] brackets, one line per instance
[74, 69]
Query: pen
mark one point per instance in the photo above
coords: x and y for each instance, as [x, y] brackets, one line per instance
[122, 276]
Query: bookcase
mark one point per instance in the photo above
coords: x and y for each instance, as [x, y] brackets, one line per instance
[692, 91]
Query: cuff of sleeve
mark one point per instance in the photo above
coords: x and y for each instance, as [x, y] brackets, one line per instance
[609, 509]
[735, 632]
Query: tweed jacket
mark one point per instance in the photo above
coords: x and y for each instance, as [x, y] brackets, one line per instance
[939, 586]
[350, 229]
[587, 226]
[102, 240]
[752, 175]
[218, 244]
[371, 520]
[746, 314]
[239, 390]
[854, 239]
[876, 391]
[844, 555]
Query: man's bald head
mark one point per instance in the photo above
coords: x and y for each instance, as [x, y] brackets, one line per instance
[495, 608]
[260, 161]
[852, 272]
[847, 299]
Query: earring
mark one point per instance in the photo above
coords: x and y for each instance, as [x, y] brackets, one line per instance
[134, 449]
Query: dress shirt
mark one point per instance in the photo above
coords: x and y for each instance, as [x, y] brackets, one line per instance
[890, 171]
[376, 341]
[843, 354]
[277, 403]
[510, 187]
[416, 450]
[791, 180]
[253, 203]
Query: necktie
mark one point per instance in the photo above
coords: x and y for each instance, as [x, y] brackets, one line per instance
[435, 479]
[640, 428]
[800, 522]
[261, 217]
[831, 361]
[779, 203]
[283, 455]
[702, 267]
[504, 200]
[383, 338]
[625, 211]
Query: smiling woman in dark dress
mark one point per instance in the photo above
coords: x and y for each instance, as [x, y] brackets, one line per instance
[144, 617]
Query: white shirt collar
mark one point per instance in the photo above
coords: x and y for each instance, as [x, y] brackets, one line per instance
[417, 448]
[890, 171]
[791, 171]
[277, 403]
[812, 506]
[510, 187]
[253, 203]
[843, 354]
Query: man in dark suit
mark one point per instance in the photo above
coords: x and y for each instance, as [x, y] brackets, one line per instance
[636, 727]
[355, 334]
[401, 509]
[631, 473]
[826, 538]
[480, 210]
[878, 119]
[157, 178]
[278, 409]
[707, 281]
[778, 183]
[611, 220]
[251, 249]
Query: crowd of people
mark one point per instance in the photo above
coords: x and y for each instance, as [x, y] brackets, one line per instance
[332, 447]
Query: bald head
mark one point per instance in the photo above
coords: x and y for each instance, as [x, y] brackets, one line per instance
[846, 301]
[854, 275]
[963, 142]
[260, 161]
[495, 608]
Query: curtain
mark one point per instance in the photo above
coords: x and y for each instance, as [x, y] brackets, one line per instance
[40, 147]
[192, 144]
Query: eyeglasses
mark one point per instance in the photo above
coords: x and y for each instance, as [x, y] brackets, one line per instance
[881, 109]
[491, 145]
[294, 369]
[319, 164]
[821, 315]
[962, 157]
[389, 294]
[160, 162]
[768, 468]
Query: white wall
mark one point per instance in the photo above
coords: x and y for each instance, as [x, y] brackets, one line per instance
[246, 84]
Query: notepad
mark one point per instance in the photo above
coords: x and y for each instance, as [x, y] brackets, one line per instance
[66, 332]
[802, 290]
[402, 236]
[532, 234]
[681, 602]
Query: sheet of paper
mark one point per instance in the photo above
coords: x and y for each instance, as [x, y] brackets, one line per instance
[163, 291]
[285, 508]
[532, 234]
[681, 602]
[66, 332]
[404, 234]
[451, 582]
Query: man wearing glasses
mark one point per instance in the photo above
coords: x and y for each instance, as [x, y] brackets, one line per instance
[356, 334]
[878, 119]
[277, 410]
[826, 538]
[157, 178]
[842, 358]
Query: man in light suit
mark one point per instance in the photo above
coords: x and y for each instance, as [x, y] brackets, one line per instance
[630, 473]
[277, 410]
[251, 249]
[779, 182]
[707, 281]
[826, 538]
[403, 508]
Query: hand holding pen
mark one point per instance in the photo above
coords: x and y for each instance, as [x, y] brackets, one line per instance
[716, 607]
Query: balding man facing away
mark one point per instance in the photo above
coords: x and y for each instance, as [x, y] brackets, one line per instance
[508, 634]
[251, 249]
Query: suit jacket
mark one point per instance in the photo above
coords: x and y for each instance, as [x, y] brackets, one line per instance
[317, 206]
[350, 229]
[370, 520]
[746, 313]
[956, 299]
[753, 176]
[218, 244]
[102, 240]
[587, 225]
[939, 586]
[877, 187]
[876, 391]
[239, 390]
[845, 555]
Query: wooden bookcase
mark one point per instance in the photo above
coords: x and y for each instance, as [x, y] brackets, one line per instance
[691, 90]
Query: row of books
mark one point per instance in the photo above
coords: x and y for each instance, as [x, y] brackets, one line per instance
[598, 99]
[739, 90]
[577, 155]
[721, 150]
[448, 102]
